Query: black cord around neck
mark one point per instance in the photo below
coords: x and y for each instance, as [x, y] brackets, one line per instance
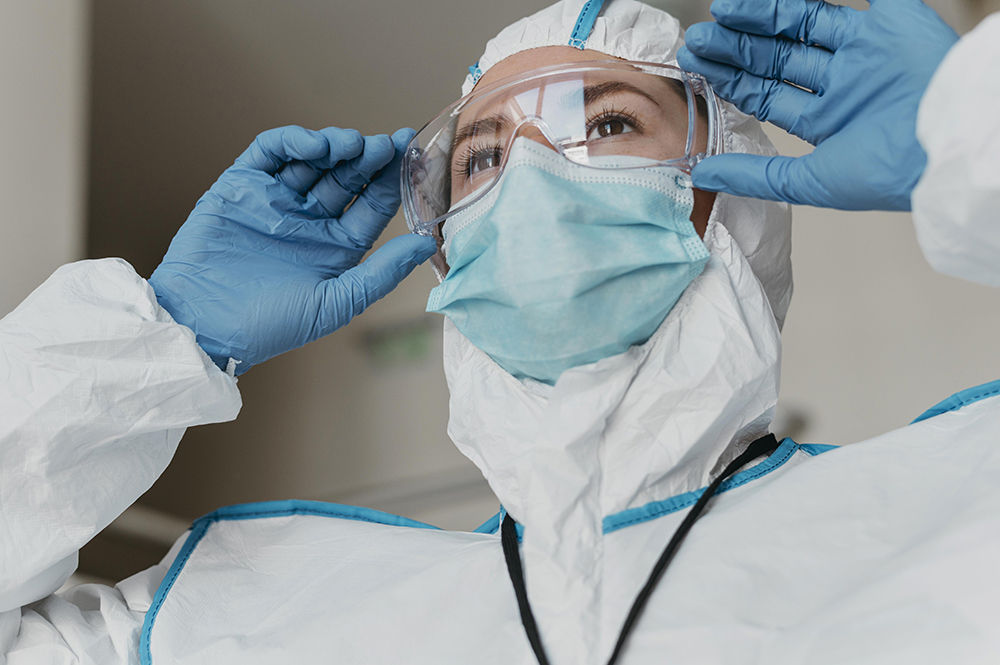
[508, 538]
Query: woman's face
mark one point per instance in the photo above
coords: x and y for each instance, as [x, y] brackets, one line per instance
[634, 120]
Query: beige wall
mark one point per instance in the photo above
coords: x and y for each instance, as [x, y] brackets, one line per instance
[874, 336]
[43, 83]
[181, 87]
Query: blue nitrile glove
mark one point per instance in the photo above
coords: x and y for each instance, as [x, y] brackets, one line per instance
[269, 258]
[867, 70]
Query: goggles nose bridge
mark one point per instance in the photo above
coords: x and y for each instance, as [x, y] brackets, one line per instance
[535, 128]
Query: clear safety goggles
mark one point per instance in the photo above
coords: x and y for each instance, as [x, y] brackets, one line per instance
[587, 111]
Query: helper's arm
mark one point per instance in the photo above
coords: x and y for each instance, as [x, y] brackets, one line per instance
[956, 204]
[852, 83]
[98, 387]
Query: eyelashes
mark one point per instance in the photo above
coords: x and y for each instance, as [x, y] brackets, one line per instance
[479, 154]
[622, 115]
[474, 154]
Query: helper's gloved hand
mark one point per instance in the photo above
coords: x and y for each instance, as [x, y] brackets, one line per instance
[868, 70]
[269, 258]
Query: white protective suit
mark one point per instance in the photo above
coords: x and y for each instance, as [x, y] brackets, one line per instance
[884, 551]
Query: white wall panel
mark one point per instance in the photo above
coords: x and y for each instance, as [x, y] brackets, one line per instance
[43, 84]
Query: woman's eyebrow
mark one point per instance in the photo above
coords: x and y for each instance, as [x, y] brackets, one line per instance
[490, 125]
[592, 93]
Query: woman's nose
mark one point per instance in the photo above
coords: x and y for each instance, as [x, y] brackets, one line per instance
[531, 131]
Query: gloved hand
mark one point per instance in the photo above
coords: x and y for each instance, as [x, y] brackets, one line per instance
[867, 71]
[269, 258]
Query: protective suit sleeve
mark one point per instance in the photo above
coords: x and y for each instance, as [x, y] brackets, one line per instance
[88, 624]
[956, 203]
[98, 385]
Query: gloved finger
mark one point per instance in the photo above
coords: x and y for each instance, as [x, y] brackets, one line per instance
[788, 179]
[769, 57]
[365, 220]
[298, 176]
[809, 21]
[767, 100]
[344, 181]
[274, 148]
[344, 297]
[344, 144]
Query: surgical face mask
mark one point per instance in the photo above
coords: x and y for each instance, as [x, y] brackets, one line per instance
[561, 265]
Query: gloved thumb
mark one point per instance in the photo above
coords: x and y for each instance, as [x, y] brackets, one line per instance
[770, 178]
[346, 296]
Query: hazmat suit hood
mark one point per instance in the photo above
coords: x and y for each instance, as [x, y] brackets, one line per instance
[645, 425]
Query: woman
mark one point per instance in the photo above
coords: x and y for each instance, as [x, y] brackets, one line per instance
[602, 389]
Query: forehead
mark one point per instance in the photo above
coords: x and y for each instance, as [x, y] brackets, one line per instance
[540, 57]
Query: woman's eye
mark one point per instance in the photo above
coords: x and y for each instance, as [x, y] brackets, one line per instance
[484, 161]
[609, 127]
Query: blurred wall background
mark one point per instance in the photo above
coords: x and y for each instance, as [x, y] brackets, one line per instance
[43, 136]
[177, 90]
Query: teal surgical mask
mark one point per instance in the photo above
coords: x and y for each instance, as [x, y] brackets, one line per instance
[561, 264]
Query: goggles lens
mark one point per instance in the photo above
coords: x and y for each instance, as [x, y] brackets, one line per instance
[591, 113]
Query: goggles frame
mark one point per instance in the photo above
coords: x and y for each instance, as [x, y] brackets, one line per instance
[414, 172]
